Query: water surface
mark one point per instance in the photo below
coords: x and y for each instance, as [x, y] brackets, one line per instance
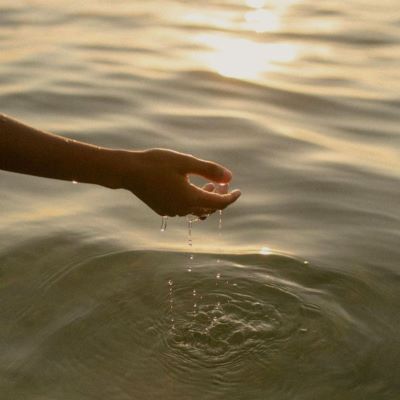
[301, 100]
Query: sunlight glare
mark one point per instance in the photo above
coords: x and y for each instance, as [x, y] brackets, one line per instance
[262, 21]
[243, 58]
[265, 251]
[256, 3]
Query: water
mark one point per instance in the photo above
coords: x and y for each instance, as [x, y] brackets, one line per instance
[301, 101]
[164, 222]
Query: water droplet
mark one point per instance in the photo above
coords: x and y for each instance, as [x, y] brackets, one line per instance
[218, 276]
[221, 188]
[305, 262]
[220, 221]
[189, 225]
[265, 251]
[170, 282]
[303, 330]
[75, 182]
[194, 292]
[190, 221]
[164, 221]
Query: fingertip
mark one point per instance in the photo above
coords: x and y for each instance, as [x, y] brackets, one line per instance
[236, 193]
[226, 175]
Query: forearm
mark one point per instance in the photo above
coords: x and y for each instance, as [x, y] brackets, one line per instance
[159, 177]
[29, 151]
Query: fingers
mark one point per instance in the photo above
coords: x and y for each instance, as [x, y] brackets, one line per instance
[203, 213]
[207, 169]
[216, 201]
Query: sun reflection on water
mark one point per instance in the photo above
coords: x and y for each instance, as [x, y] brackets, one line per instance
[244, 58]
[262, 21]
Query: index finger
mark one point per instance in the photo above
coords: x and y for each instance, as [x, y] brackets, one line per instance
[207, 169]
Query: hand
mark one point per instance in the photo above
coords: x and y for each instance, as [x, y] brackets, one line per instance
[159, 177]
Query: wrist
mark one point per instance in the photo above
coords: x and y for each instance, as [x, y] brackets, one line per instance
[120, 168]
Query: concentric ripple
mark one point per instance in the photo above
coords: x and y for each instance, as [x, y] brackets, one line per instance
[223, 322]
[139, 325]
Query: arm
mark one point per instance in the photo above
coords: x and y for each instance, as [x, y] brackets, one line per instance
[158, 177]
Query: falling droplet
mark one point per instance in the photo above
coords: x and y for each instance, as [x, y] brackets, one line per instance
[189, 225]
[220, 221]
[171, 302]
[164, 221]
[75, 182]
[305, 262]
[194, 292]
[218, 276]
[190, 221]
[221, 188]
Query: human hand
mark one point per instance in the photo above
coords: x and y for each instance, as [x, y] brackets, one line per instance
[160, 178]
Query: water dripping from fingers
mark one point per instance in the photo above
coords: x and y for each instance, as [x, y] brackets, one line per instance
[171, 303]
[221, 188]
[190, 219]
[164, 221]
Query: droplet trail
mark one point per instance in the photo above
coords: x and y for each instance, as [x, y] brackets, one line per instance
[164, 221]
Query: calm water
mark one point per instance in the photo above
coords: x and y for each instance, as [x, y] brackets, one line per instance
[298, 298]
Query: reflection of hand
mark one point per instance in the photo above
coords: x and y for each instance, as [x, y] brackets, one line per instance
[159, 177]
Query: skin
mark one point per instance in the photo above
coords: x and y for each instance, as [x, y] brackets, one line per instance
[159, 177]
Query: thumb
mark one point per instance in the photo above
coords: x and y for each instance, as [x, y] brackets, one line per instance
[208, 169]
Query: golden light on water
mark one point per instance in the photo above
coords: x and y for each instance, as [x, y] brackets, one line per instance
[261, 21]
[256, 3]
[244, 58]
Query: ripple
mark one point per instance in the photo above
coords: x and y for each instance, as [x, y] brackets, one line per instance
[138, 319]
[242, 320]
